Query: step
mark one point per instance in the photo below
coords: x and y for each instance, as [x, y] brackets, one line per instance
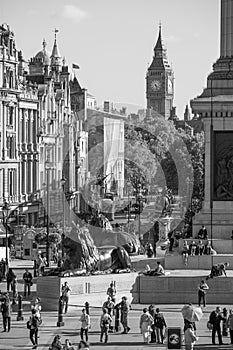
[222, 246]
[203, 262]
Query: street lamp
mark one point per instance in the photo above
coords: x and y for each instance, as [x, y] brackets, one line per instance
[128, 187]
[46, 187]
[63, 181]
[5, 212]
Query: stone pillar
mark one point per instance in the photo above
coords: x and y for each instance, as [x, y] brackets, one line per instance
[226, 42]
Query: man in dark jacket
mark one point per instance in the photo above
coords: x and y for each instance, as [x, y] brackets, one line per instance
[160, 324]
[6, 313]
[215, 319]
[27, 277]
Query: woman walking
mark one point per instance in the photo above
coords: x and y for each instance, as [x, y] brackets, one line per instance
[189, 337]
[146, 321]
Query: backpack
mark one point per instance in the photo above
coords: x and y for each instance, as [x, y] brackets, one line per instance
[158, 320]
[28, 324]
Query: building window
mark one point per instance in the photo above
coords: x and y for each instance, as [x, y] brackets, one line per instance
[10, 144]
[10, 116]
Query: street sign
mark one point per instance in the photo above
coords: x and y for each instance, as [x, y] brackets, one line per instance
[174, 338]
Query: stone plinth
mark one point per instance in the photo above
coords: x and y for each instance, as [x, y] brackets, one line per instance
[49, 287]
[182, 290]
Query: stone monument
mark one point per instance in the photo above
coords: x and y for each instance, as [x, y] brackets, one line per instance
[215, 107]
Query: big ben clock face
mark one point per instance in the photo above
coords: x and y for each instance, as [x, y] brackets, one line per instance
[155, 85]
[169, 86]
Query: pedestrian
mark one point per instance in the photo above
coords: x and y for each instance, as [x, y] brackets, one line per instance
[171, 237]
[152, 313]
[200, 248]
[224, 322]
[146, 321]
[68, 345]
[6, 313]
[83, 345]
[34, 329]
[185, 252]
[189, 337]
[159, 270]
[160, 324]
[10, 276]
[37, 307]
[230, 324]
[215, 319]
[85, 324]
[27, 277]
[3, 262]
[56, 343]
[105, 321]
[218, 270]
[203, 287]
[202, 234]
[192, 248]
[111, 291]
[65, 294]
[124, 307]
[14, 287]
[109, 305]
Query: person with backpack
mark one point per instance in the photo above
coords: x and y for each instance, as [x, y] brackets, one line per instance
[85, 324]
[146, 321]
[215, 319]
[33, 325]
[6, 313]
[105, 321]
[160, 324]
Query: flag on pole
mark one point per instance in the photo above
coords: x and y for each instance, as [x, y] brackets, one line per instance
[75, 66]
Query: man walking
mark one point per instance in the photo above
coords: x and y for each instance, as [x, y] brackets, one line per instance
[6, 313]
[105, 322]
[203, 287]
[85, 324]
[124, 307]
[65, 293]
[111, 291]
[215, 319]
[27, 277]
[160, 324]
[34, 329]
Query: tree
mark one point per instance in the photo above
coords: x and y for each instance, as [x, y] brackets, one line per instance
[54, 238]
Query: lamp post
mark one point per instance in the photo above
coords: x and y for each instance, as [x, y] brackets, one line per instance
[63, 181]
[46, 188]
[5, 212]
[128, 187]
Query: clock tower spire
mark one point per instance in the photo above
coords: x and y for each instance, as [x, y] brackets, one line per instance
[160, 81]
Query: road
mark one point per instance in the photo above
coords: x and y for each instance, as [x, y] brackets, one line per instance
[18, 337]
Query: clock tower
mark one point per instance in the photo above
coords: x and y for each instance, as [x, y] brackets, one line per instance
[160, 81]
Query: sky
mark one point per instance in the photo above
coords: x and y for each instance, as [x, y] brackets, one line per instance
[112, 41]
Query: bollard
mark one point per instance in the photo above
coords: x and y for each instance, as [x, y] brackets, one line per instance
[117, 319]
[60, 321]
[35, 268]
[87, 307]
[20, 309]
